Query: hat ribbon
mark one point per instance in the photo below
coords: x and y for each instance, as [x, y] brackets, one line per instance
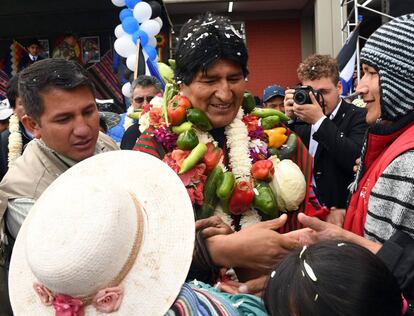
[107, 300]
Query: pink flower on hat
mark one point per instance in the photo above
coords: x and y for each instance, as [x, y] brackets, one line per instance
[66, 305]
[45, 295]
[108, 300]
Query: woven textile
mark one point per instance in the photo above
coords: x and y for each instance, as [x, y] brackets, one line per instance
[106, 82]
[198, 298]
[3, 83]
[390, 50]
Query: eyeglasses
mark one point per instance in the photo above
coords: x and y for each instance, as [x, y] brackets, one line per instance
[140, 100]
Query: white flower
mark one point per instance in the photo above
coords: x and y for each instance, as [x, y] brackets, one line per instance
[204, 137]
[144, 122]
[249, 218]
[226, 218]
[157, 102]
[128, 121]
[15, 141]
[238, 142]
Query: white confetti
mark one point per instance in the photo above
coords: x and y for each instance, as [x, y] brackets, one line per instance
[309, 271]
[302, 251]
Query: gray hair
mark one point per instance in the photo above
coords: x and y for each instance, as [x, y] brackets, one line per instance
[146, 81]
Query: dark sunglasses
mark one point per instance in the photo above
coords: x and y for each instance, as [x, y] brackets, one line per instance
[141, 99]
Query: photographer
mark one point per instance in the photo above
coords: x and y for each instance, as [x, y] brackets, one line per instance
[332, 129]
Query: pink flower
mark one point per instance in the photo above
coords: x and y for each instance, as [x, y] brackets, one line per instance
[196, 193]
[66, 305]
[45, 295]
[171, 163]
[108, 300]
[194, 175]
[179, 155]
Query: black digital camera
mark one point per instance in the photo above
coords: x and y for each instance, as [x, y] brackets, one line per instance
[301, 95]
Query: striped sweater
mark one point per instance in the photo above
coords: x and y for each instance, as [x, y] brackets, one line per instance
[391, 204]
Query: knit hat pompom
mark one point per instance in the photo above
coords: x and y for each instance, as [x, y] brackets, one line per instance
[390, 50]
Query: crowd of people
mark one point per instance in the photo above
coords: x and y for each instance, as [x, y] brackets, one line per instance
[87, 228]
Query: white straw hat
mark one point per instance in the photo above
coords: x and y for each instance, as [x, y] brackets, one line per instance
[120, 220]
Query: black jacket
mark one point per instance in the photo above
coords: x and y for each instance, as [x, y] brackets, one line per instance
[4, 148]
[26, 61]
[339, 145]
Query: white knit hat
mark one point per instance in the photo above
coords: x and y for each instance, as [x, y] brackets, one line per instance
[390, 50]
[113, 233]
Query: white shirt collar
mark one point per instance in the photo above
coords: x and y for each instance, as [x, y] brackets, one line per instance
[335, 111]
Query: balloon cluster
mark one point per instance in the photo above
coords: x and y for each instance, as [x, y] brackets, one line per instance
[139, 20]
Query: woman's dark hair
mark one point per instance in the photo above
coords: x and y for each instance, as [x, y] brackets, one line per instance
[205, 40]
[12, 91]
[332, 278]
[46, 75]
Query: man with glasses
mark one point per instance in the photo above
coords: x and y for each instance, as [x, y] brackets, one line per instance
[143, 89]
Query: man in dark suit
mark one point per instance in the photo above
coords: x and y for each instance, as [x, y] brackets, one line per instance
[332, 129]
[33, 48]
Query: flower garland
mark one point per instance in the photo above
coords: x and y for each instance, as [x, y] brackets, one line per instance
[15, 141]
[240, 162]
[240, 196]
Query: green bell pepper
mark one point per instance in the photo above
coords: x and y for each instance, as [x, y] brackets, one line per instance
[249, 102]
[265, 200]
[187, 140]
[270, 121]
[199, 119]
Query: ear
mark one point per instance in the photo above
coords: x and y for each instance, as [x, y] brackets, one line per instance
[31, 125]
[339, 87]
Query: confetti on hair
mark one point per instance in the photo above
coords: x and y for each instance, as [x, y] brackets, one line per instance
[309, 271]
[302, 251]
[341, 244]
[316, 297]
[273, 274]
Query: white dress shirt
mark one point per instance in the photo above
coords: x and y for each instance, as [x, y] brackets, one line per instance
[313, 144]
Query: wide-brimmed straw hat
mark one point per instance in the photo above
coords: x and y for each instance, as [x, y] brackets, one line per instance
[115, 230]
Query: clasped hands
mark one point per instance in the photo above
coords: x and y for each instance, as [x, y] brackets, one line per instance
[259, 247]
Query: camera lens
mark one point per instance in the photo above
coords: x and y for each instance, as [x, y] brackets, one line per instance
[300, 97]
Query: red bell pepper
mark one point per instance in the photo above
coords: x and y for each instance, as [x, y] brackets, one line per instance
[242, 198]
[212, 157]
[182, 100]
[263, 170]
[176, 108]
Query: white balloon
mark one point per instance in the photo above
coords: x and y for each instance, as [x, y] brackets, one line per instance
[159, 20]
[152, 41]
[119, 31]
[118, 3]
[142, 11]
[126, 89]
[150, 27]
[124, 46]
[131, 62]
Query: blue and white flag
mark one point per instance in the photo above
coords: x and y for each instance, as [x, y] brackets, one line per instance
[346, 61]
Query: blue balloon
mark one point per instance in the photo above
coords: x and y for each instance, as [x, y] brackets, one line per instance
[130, 25]
[151, 52]
[125, 13]
[143, 37]
[131, 3]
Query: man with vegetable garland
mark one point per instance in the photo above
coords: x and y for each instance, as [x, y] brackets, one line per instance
[219, 152]
[332, 129]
